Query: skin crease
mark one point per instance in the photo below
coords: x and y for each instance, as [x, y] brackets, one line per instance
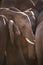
[39, 43]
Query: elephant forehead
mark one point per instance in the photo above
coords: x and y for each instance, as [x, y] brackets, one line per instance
[22, 20]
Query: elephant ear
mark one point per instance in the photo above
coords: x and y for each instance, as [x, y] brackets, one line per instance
[13, 29]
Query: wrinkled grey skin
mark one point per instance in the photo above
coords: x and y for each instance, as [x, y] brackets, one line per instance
[32, 14]
[39, 43]
[3, 38]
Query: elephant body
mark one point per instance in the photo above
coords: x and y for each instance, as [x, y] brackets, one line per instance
[39, 43]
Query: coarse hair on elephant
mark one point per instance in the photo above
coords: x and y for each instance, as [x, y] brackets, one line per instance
[39, 43]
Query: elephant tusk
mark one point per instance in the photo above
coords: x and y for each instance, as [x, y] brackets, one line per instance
[4, 21]
[33, 14]
[29, 41]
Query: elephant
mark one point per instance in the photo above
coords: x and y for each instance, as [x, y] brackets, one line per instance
[39, 38]
[25, 35]
[39, 43]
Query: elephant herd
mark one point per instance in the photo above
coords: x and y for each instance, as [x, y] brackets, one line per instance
[21, 32]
